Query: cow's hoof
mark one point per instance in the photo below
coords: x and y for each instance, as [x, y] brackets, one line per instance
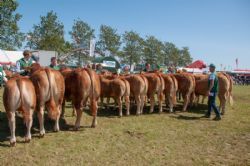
[12, 144]
[27, 140]
[93, 126]
[56, 129]
[127, 114]
[41, 135]
[76, 128]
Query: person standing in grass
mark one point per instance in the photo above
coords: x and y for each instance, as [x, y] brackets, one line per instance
[213, 85]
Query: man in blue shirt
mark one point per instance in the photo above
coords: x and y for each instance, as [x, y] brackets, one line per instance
[213, 85]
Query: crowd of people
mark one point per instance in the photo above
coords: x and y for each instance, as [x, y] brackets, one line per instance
[241, 79]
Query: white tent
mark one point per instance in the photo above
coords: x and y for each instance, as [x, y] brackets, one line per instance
[193, 70]
[4, 57]
[11, 57]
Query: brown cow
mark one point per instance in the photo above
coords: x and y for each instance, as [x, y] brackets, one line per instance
[49, 87]
[170, 90]
[66, 72]
[186, 86]
[156, 85]
[19, 95]
[199, 77]
[81, 85]
[138, 88]
[116, 88]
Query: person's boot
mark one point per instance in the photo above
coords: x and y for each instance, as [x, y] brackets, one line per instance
[206, 116]
[217, 118]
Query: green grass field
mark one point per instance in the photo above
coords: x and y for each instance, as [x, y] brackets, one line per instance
[150, 139]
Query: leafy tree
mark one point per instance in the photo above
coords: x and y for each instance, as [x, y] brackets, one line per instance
[109, 40]
[185, 57]
[132, 50]
[48, 34]
[10, 35]
[153, 50]
[171, 54]
[81, 35]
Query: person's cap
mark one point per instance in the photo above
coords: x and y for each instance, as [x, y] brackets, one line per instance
[212, 65]
[26, 52]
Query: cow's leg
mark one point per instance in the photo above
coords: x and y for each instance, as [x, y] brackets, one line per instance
[40, 115]
[203, 99]
[56, 127]
[28, 122]
[138, 103]
[152, 103]
[170, 102]
[222, 99]
[119, 102]
[12, 125]
[192, 98]
[101, 100]
[197, 100]
[179, 95]
[78, 118]
[160, 99]
[93, 108]
[127, 101]
[185, 97]
[63, 109]
[74, 110]
[142, 97]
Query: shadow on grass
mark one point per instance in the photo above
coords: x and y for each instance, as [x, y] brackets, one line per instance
[112, 111]
[21, 128]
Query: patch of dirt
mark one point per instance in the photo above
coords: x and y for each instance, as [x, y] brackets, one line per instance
[135, 134]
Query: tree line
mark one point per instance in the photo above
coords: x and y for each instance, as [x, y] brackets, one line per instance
[49, 33]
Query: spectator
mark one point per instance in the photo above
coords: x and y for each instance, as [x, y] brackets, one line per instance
[24, 63]
[147, 67]
[53, 64]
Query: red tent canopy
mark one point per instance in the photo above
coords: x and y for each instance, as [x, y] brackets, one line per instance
[197, 64]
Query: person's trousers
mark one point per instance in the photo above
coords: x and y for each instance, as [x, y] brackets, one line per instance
[212, 105]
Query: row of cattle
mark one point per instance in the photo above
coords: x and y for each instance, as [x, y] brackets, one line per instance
[50, 89]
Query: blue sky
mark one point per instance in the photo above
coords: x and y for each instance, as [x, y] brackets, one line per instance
[216, 31]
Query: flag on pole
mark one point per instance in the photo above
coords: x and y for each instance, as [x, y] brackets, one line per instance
[92, 48]
[237, 62]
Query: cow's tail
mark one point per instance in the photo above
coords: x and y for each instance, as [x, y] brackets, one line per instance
[53, 110]
[175, 89]
[18, 82]
[162, 86]
[127, 85]
[230, 99]
[230, 96]
[92, 83]
[145, 82]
